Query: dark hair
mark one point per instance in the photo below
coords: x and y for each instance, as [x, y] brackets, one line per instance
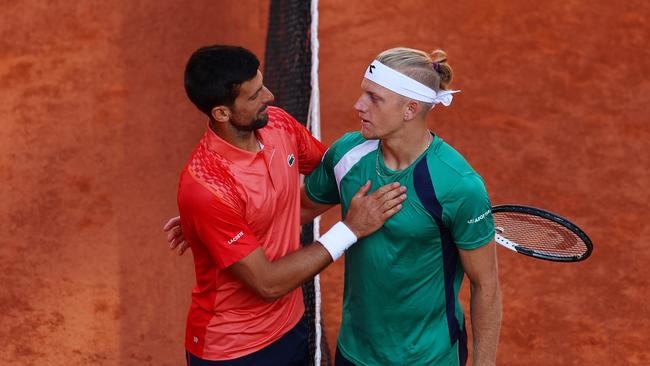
[213, 75]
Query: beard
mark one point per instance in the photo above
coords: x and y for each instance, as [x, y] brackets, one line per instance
[251, 125]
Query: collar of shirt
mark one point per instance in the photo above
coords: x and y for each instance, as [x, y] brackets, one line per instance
[234, 154]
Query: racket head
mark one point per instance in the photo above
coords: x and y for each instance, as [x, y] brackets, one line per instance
[541, 234]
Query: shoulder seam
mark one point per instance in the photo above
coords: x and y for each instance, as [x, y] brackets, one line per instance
[351, 158]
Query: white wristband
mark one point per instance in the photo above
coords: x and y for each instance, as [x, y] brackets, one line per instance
[337, 239]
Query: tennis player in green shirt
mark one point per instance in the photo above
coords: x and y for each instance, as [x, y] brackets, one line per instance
[400, 302]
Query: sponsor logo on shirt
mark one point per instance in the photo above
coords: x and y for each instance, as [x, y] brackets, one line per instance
[236, 237]
[479, 218]
[291, 159]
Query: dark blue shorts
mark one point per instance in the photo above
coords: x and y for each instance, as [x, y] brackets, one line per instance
[339, 360]
[290, 350]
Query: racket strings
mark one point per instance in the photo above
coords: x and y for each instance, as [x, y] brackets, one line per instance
[539, 234]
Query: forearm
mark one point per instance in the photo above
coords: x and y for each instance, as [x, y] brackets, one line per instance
[307, 216]
[485, 305]
[272, 280]
[294, 269]
[308, 212]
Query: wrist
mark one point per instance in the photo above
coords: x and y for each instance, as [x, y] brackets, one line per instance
[338, 239]
[354, 230]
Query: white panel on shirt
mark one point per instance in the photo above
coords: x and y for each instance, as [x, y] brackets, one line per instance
[351, 158]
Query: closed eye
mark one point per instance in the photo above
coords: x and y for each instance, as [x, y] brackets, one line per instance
[374, 98]
[257, 93]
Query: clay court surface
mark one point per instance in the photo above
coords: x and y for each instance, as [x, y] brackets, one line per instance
[96, 127]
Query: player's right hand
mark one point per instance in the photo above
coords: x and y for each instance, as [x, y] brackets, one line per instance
[175, 236]
[367, 213]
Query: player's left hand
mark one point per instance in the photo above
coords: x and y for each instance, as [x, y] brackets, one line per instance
[175, 236]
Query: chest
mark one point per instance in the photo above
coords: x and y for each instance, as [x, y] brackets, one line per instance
[412, 224]
[269, 186]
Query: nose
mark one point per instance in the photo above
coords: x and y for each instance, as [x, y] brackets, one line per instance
[269, 97]
[359, 106]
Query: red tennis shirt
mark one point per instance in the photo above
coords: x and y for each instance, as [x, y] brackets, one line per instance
[232, 201]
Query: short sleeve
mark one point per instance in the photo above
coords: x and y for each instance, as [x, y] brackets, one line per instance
[220, 228]
[320, 185]
[310, 150]
[472, 224]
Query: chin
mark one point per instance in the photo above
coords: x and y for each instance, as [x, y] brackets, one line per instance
[261, 122]
[368, 135]
[253, 125]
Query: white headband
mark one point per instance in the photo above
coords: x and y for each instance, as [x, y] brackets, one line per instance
[405, 86]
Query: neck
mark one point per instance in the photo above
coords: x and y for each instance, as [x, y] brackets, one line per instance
[401, 150]
[245, 140]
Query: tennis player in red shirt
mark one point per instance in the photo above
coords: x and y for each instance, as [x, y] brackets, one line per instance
[240, 209]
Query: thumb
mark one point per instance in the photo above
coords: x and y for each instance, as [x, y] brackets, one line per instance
[363, 190]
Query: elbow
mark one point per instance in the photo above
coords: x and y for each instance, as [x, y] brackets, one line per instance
[262, 278]
[269, 296]
[487, 288]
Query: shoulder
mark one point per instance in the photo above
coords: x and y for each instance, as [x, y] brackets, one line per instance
[349, 145]
[447, 158]
[450, 172]
[207, 182]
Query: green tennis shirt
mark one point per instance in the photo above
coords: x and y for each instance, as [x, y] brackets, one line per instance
[400, 301]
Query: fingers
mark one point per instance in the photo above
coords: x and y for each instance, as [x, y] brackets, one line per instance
[175, 236]
[390, 212]
[393, 202]
[174, 232]
[393, 193]
[363, 190]
[388, 196]
[387, 189]
[174, 221]
[183, 247]
[175, 241]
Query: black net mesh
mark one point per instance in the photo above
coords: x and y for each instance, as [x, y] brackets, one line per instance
[287, 73]
[287, 62]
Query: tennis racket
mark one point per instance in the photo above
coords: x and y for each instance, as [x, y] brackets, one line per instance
[540, 234]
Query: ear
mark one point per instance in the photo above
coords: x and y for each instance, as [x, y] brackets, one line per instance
[221, 113]
[411, 110]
